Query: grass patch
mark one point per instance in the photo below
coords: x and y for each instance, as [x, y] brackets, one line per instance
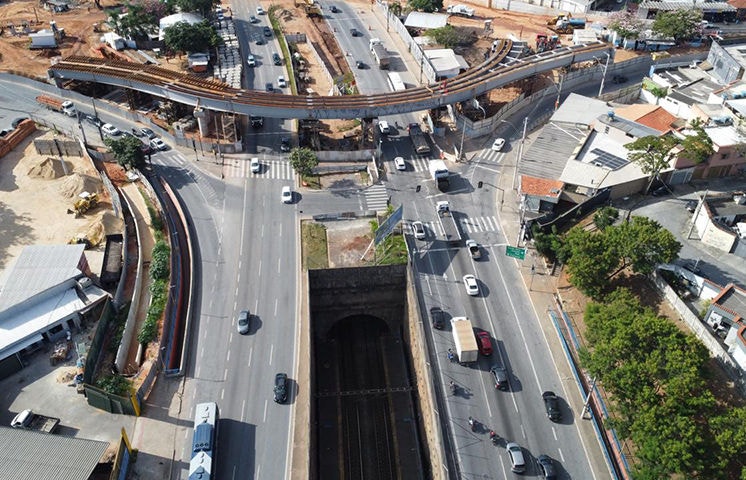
[313, 245]
[393, 250]
[364, 177]
[312, 181]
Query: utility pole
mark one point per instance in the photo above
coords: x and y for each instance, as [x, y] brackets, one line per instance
[520, 152]
[696, 215]
[463, 134]
[603, 78]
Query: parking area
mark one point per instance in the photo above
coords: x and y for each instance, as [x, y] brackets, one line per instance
[47, 390]
[671, 212]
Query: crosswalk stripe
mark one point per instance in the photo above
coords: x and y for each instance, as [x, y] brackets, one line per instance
[376, 197]
[271, 169]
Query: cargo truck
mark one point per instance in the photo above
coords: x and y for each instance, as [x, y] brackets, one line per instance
[28, 420]
[379, 53]
[460, 10]
[463, 337]
[474, 250]
[418, 139]
[440, 174]
[58, 105]
[448, 223]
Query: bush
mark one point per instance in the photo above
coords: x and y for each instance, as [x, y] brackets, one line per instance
[115, 384]
[159, 266]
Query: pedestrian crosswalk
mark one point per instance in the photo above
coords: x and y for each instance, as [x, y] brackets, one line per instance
[271, 169]
[420, 164]
[467, 225]
[376, 197]
[488, 155]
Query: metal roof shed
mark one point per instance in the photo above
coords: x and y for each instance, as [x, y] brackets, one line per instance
[426, 20]
[40, 456]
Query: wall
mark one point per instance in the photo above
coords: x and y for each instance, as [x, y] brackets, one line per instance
[717, 237]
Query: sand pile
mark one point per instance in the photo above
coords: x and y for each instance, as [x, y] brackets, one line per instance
[101, 224]
[79, 182]
[49, 169]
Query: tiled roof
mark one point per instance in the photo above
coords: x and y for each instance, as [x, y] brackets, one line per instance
[658, 119]
[541, 187]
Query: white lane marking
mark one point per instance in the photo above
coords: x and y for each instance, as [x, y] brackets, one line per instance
[243, 409]
[279, 263]
[225, 374]
[271, 352]
[259, 273]
[277, 302]
[222, 393]
[264, 415]
[561, 455]
[251, 350]
[228, 356]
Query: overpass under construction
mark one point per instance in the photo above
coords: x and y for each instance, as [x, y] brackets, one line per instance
[495, 72]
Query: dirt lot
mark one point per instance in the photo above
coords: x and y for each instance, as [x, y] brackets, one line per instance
[35, 193]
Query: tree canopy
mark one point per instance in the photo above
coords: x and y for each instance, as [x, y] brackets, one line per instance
[141, 19]
[655, 373]
[449, 36]
[652, 153]
[681, 24]
[626, 24]
[184, 37]
[697, 146]
[303, 160]
[204, 7]
[127, 151]
[426, 5]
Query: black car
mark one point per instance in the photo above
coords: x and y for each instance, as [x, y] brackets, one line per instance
[551, 404]
[661, 191]
[546, 467]
[260, 41]
[437, 316]
[334, 9]
[256, 122]
[276, 59]
[268, 87]
[619, 79]
[360, 65]
[500, 376]
[95, 121]
[284, 144]
[281, 388]
[691, 205]
[355, 32]
[267, 31]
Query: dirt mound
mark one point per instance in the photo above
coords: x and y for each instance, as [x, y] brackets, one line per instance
[103, 223]
[48, 169]
[78, 183]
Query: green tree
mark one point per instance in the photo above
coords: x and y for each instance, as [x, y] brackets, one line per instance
[605, 217]
[426, 5]
[589, 261]
[681, 24]
[730, 435]
[697, 147]
[642, 244]
[141, 18]
[303, 160]
[184, 37]
[127, 151]
[448, 36]
[653, 154]
[204, 7]
[395, 8]
[626, 24]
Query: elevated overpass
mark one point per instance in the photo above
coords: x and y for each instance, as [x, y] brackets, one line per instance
[495, 72]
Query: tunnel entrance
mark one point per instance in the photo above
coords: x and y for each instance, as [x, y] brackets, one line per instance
[364, 408]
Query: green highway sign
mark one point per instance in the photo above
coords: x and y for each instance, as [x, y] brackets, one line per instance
[515, 252]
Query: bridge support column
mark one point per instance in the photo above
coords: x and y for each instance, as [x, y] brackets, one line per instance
[203, 120]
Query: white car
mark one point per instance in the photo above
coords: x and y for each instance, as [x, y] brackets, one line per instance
[110, 130]
[256, 167]
[251, 61]
[158, 144]
[281, 82]
[400, 165]
[259, 11]
[470, 283]
[384, 127]
[498, 144]
[287, 195]
[419, 230]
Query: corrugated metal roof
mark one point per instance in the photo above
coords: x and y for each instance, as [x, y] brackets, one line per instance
[26, 455]
[426, 20]
[548, 154]
[38, 268]
[688, 4]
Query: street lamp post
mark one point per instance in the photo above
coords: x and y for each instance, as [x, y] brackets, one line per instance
[603, 78]
[463, 134]
[520, 152]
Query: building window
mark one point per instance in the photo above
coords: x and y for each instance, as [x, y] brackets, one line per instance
[606, 129]
[723, 156]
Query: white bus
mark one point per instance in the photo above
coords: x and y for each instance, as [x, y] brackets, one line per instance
[396, 82]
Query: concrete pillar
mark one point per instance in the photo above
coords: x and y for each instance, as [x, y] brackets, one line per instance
[203, 120]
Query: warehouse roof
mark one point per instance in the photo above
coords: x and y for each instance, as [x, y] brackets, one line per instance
[688, 5]
[42, 456]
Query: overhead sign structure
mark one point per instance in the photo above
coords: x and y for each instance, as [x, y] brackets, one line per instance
[515, 252]
[385, 229]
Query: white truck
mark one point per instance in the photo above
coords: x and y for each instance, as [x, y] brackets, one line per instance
[379, 52]
[28, 420]
[460, 10]
[62, 106]
[440, 174]
[463, 337]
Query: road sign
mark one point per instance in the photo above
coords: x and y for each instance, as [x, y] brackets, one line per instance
[385, 229]
[515, 252]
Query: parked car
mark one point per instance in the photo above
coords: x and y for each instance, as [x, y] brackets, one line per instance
[268, 87]
[498, 144]
[243, 322]
[691, 205]
[267, 31]
[281, 82]
[500, 375]
[400, 164]
[437, 317]
[287, 195]
[484, 344]
[334, 9]
[517, 462]
[551, 405]
[419, 230]
[260, 41]
[281, 388]
[662, 191]
[360, 65]
[259, 11]
[253, 19]
[284, 144]
[110, 130]
[470, 283]
[147, 133]
[276, 59]
[158, 144]
[251, 61]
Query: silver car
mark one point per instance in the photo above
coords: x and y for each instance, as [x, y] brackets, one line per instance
[517, 462]
[243, 322]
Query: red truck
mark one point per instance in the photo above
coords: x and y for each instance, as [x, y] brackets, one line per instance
[58, 105]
